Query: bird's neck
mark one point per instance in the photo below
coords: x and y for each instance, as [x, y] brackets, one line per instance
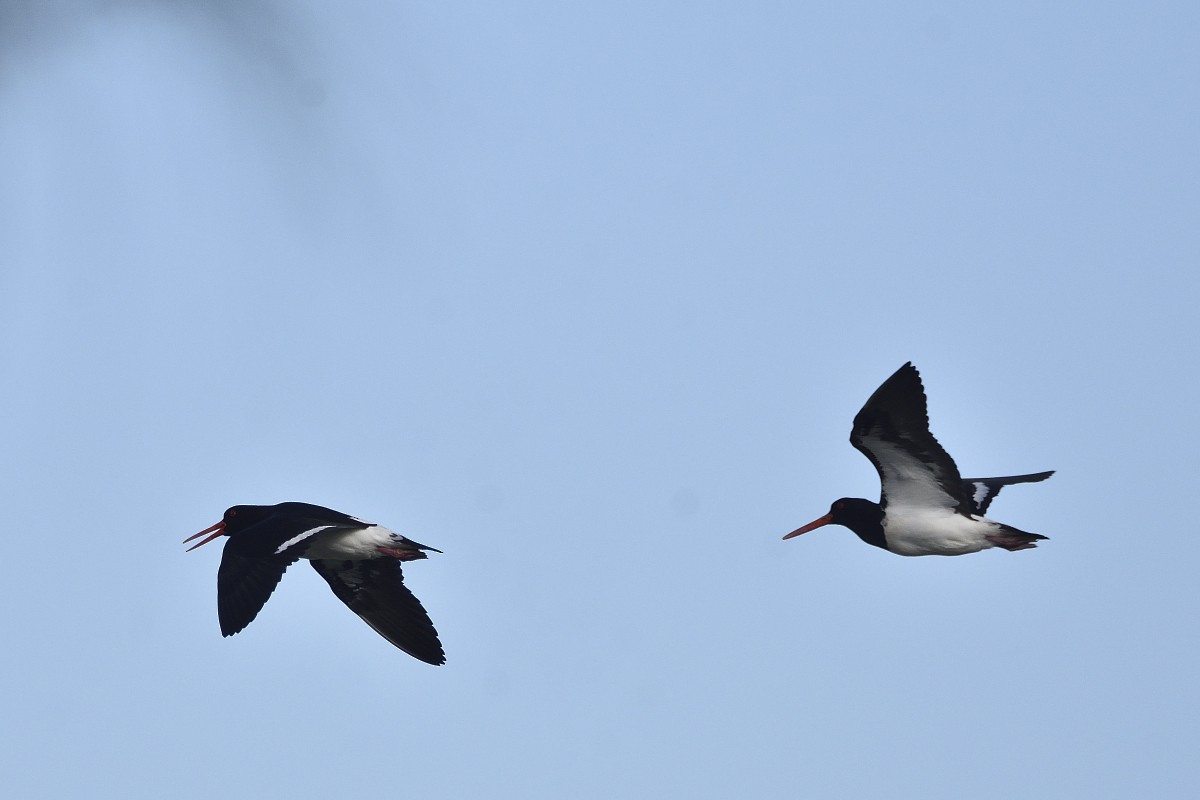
[866, 520]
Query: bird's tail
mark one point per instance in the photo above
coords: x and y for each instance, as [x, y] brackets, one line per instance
[1010, 538]
[406, 549]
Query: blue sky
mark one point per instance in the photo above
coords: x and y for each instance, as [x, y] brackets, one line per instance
[587, 297]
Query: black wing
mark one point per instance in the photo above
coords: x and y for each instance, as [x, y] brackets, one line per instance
[374, 589]
[244, 584]
[325, 516]
[892, 430]
[290, 526]
[254, 559]
[982, 491]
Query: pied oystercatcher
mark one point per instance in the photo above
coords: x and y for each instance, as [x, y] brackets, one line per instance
[925, 508]
[359, 560]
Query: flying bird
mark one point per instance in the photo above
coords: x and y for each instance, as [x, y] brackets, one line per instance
[924, 508]
[359, 560]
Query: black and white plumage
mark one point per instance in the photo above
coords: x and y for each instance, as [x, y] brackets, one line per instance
[982, 491]
[359, 560]
[925, 508]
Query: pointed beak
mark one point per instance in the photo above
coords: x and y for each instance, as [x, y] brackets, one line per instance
[812, 526]
[220, 531]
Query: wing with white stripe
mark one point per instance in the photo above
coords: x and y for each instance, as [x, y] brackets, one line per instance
[255, 559]
[983, 491]
[892, 430]
[291, 527]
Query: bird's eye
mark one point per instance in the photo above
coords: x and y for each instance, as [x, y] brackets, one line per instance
[231, 513]
[839, 506]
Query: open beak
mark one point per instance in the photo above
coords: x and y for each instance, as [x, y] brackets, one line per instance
[220, 531]
[812, 526]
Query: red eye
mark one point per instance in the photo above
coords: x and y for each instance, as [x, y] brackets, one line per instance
[231, 513]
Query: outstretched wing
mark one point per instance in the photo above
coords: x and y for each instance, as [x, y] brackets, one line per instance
[892, 430]
[254, 560]
[244, 584]
[982, 491]
[374, 589]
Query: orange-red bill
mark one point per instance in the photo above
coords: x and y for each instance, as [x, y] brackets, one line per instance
[220, 531]
[816, 523]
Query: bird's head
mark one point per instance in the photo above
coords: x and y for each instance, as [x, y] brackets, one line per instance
[236, 519]
[854, 513]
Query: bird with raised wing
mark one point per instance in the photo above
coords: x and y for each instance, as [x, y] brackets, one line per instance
[924, 508]
[359, 560]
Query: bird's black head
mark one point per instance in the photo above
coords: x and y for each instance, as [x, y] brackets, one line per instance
[861, 516]
[855, 513]
[236, 519]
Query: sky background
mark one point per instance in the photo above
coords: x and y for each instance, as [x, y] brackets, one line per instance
[587, 296]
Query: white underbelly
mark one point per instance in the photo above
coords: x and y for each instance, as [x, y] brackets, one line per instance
[938, 533]
[352, 545]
